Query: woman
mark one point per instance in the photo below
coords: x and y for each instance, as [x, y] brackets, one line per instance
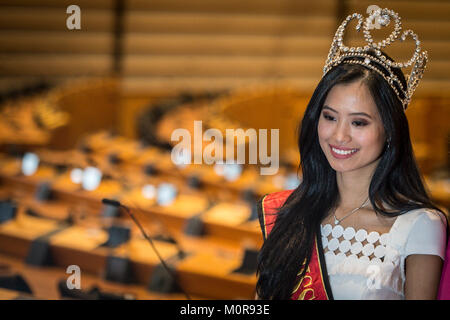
[360, 225]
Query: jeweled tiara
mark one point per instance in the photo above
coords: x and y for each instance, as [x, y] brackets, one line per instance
[339, 53]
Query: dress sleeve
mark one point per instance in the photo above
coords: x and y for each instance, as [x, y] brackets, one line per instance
[428, 235]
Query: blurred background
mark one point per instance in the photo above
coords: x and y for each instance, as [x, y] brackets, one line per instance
[88, 113]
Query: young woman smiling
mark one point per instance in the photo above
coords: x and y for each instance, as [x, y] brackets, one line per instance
[361, 224]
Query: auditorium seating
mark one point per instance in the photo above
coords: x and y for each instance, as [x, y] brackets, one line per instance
[110, 95]
[48, 200]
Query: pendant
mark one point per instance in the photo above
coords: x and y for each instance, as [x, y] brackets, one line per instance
[336, 221]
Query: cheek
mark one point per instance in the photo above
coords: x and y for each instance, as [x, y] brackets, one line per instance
[373, 139]
[323, 130]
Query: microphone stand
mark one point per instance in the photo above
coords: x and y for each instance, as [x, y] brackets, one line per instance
[117, 204]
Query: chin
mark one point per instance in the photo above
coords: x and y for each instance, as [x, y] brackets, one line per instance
[350, 167]
[342, 169]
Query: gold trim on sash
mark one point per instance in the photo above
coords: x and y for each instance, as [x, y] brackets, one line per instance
[264, 216]
[306, 287]
[306, 283]
[320, 267]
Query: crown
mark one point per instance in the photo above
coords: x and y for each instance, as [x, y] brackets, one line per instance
[377, 61]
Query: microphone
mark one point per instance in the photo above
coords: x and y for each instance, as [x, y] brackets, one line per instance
[111, 202]
[117, 204]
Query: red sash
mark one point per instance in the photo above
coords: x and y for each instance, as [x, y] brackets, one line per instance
[313, 286]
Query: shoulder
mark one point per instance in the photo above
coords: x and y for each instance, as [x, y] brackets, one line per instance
[423, 216]
[268, 207]
[424, 231]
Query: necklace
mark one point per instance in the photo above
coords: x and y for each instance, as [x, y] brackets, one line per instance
[338, 221]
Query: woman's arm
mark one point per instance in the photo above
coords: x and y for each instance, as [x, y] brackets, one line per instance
[423, 273]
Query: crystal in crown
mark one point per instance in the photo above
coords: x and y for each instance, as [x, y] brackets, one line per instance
[339, 53]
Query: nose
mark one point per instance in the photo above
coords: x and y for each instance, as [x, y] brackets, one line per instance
[342, 133]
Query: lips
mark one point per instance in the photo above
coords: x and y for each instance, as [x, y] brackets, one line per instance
[342, 153]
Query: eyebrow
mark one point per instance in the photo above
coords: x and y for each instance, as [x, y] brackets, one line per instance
[352, 114]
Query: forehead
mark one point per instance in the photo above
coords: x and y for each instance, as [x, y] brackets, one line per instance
[353, 97]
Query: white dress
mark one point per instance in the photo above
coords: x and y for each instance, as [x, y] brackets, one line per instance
[364, 265]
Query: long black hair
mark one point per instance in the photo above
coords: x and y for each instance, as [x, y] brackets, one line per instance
[395, 182]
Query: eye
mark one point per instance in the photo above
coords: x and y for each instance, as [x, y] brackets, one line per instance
[328, 117]
[358, 123]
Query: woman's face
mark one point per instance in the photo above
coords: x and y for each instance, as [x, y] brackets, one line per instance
[350, 130]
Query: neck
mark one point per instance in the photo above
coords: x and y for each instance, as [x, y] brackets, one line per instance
[354, 186]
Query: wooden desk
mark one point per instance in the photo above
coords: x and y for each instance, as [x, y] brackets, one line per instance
[206, 271]
[173, 217]
[43, 281]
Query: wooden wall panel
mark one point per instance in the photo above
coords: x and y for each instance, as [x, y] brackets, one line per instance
[36, 18]
[220, 23]
[55, 64]
[207, 45]
[225, 45]
[201, 44]
[215, 66]
[35, 43]
[55, 42]
[253, 7]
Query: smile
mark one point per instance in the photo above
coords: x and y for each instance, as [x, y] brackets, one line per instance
[341, 153]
